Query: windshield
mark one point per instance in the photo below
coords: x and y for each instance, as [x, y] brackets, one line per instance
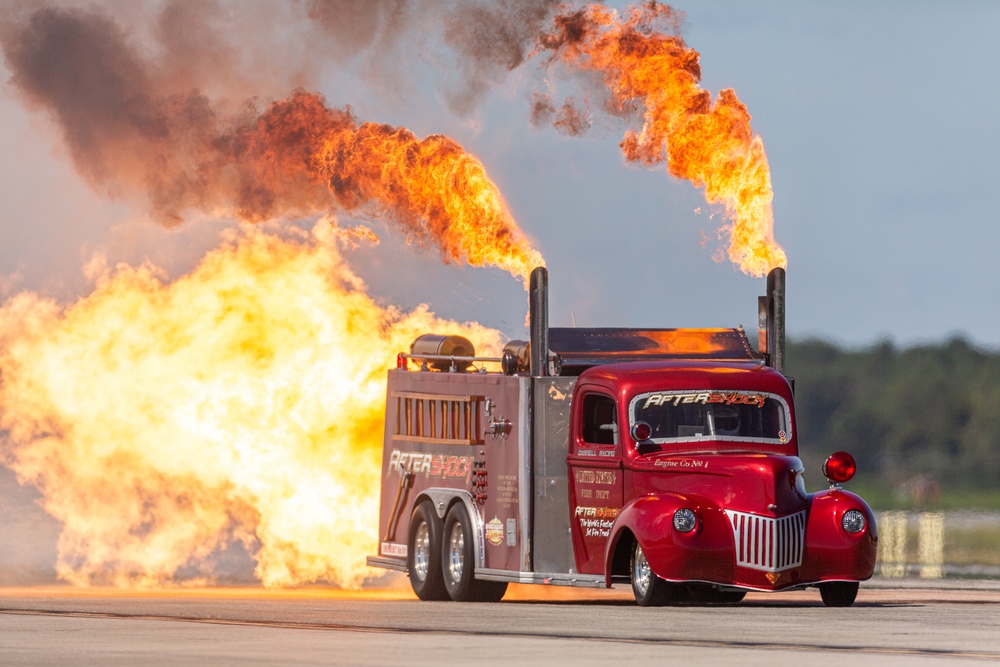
[722, 415]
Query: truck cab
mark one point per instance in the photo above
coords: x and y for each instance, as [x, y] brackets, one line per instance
[675, 463]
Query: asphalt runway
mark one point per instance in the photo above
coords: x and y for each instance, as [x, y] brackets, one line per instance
[899, 624]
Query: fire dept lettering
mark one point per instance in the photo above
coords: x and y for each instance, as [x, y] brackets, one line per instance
[706, 397]
[595, 477]
[445, 466]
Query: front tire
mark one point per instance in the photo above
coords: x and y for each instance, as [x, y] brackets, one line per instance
[839, 593]
[458, 560]
[423, 554]
[649, 589]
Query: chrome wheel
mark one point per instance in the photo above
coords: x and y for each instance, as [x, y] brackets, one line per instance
[649, 589]
[458, 561]
[641, 574]
[423, 554]
[422, 551]
[456, 552]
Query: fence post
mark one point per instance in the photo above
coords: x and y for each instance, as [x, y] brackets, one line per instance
[892, 543]
[930, 544]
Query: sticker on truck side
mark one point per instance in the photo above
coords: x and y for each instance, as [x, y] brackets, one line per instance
[596, 521]
[393, 549]
[431, 465]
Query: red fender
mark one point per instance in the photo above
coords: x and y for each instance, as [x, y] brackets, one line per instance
[831, 553]
[704, 554]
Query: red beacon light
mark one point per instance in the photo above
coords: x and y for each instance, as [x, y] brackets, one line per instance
[401, 363]
[641, 431]
[839, 468]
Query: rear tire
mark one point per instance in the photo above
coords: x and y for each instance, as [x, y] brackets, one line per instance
[423, 554]
[839, 593]
[458, 561]
[649, 589]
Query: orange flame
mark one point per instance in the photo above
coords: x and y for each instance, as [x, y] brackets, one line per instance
[299, 152]
[242, 403]
[708, 143]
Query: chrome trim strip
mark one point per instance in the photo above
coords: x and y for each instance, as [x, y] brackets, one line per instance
[554, 578]
[387, 563]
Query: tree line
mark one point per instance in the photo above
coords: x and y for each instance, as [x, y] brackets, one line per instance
[921, 415]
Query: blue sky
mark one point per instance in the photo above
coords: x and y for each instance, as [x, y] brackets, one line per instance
[880, 125]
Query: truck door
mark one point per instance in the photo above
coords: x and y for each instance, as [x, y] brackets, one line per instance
[595, 477]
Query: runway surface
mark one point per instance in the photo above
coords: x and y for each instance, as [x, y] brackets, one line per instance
[904, 622]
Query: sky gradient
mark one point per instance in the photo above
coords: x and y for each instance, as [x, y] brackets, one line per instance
[879, 123]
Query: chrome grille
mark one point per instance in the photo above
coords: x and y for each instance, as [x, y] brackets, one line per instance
[767, 543]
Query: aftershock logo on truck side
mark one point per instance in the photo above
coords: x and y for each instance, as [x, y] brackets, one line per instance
[444, 466]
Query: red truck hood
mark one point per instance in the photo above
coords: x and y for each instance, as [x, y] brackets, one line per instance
[757, 483]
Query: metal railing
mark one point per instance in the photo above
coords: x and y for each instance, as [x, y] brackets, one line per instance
[936, 544]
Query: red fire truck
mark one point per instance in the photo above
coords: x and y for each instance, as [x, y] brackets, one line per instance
[664, 458]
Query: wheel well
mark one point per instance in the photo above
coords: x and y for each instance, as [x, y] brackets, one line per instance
[440, 502]
[621, 560]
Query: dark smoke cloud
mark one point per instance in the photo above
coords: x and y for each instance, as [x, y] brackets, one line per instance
[492, 39]
[357, 26]
[139, 90]
[568, 119]
[486, 39]
[121, 124]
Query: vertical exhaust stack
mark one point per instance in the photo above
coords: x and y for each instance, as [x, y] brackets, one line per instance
[771, 320]
[538, 314]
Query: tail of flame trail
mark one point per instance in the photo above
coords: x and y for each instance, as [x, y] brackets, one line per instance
[132, 130]
[651, 73]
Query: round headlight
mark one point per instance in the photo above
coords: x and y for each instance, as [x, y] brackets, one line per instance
[685, 520]
[853, 521]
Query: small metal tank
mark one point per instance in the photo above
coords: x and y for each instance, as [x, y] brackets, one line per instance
[435, 345]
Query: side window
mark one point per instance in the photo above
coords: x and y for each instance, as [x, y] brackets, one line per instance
[600, 422]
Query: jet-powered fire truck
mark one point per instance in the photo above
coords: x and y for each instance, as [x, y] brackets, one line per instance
[664, 458]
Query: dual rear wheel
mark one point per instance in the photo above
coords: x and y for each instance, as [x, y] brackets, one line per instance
[441, 557]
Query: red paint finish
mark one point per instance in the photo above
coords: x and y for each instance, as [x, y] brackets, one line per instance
[757, 527]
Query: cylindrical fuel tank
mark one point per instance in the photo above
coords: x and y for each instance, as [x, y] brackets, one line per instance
[516, 357]
[435, 345]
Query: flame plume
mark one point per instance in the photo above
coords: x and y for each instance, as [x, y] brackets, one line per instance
[131, 130]
[432, 188]
[652, 73]
[241, 403]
